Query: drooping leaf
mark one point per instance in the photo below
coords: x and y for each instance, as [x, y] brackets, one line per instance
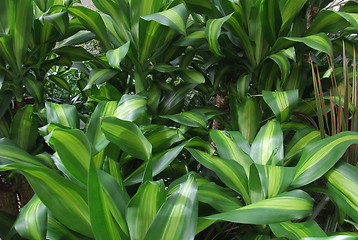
[227, 147]
[32, 222]
[284, 207]
[127, 136]
[63, 114]
[212, 32]
[115, 56]
[177, 218]
[174, 18]
[74, 150]
[317, 158]
[267, 148]
[162, 137]
[143, 208]
[297, 230]
[98, 76]
[281, 103]
[191, 119]
[24, 126]
[59, 20]
[35, 88]
[342, 185]
[229, 171]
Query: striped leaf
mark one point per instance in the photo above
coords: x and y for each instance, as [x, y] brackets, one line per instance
[217, 197]
[191, 76]
[270, 16]
[256, 189]
[319, 42]
[191, 119]
[193, 39]
[10, 153]
[56, 230]
[98, 76]
[249, 116]
[130, 107]
[127, 136]
[74, 53]
[297, 230]
[177, 218]
[60, 82]
[74, 151]
[284, 207]
[35, 88]
[63, 114]
[42, 5]
[115, 56]
[242, 86]
[6, 50]
[162, 137]
[65, 199]
[318, 157]
[32, 221]
[281, 103]
[288, 13]
[174, 18]
[92, 21]
[229, 171]
[227, 147]
[212, 32]
[283, 63]
[24, 126]
[327, 21]
[143, 208]
[300, 140]
[59, 20]
[160, 161]
[275, 179]
[94, 133]
[342, 186]
[106, 220]
[22, 14]
[267, 148]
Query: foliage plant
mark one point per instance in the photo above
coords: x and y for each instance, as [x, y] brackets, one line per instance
[129, 150]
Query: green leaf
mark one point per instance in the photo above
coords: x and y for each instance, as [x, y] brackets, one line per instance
[162, 137]
[193, 39]
[98, 76]
[143, 208]
[212, 32]
[249, 116]
[217, 197]
[318, 157]
[229, 171]
[288, 13]
[283, 63]
[270, 17]
[35, 88]
[342, 185]
[226, 144]
[327, 21]
[160, 161]
[174, 18]
[74, 151]
[297, 230]
[177, 218]
[191, 76]
[63, 114]
[127, 136]
[22, 14]
[281, 103]
[74, 53]
[32, 222]
[93, 21]
[24, 126]
[130, 107]
[275, 179]
[115, 56]
[319, 42]
[102, 210]
[59, 20]
[191, 119]
[267, 148]
[94, 133]
[60, 82]
[256, 189]
[300, 140]
[66, 200]
[284, 207]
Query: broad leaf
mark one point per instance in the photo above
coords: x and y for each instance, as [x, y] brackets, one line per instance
[127, 136]
[65, 115]
[284, 207]
[297, 230]
[177, 218]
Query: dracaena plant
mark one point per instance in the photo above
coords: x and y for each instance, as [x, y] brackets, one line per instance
[82, 190]
[275, 180]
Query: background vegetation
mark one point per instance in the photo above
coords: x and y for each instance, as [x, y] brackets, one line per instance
[178, 119]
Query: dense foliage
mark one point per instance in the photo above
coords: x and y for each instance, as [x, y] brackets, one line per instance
[205, 119]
